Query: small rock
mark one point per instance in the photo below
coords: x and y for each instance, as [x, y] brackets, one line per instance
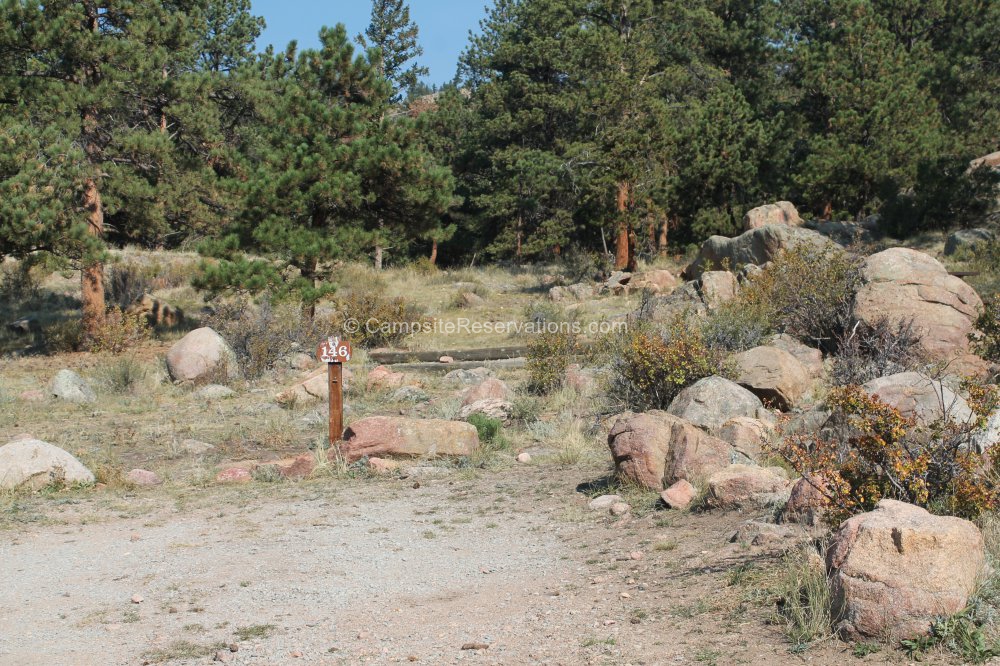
[635, 555]
[32, 396]
[137, 599]
[524, 457]
[620, 508]
[234, 475]
[296, 654]
[382, 466]
[475, 646]
[679, 495]
[222, 657]
[604, 502]
[194, 447]
[143, 477]
[446, 359]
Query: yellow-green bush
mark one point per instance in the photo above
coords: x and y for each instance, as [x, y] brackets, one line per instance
[651, 367]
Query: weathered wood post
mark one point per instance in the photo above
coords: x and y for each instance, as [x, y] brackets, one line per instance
[335, 353]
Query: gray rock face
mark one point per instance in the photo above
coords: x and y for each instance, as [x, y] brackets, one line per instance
[710, 402]
[34, 464]
[989, 435]
[214, 392]
[71, 387]
[757, 246]
[919, 397]
[966, 238]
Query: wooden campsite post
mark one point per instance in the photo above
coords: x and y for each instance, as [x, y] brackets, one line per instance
[335, 353]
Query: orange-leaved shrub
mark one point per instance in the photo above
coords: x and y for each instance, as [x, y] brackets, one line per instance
[652, 366]
[883, 454]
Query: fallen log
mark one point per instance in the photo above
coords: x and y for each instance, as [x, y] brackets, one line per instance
[491, 354]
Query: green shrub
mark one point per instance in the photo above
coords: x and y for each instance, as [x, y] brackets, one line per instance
[652, 367]
[736, 327]
[869, 351]
[549, 354]
[381, 321]
[985, 338]
[806, 292]
[962, 634]
[804, 600]
[120, 331]
[261, 334]
[64, 336]
[490, 431]
[125, 283]
[122, 375]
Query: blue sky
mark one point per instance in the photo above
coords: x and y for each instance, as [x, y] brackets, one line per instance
[444, 25]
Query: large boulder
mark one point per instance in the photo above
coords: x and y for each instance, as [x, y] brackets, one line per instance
[201, 354]
[904, 284]
[806, 503]
[398, 436]
[757, 246]
[966, 239]
[921, 398]
[488, 389]
[746, 486]
[71, 387]
[659, 281]
[810, 357]
[717, 287]
[895, 569]
[710, 402]
[774, 376]
[34, 464]
[746, 435]
[782, 212]
[655, 450]
[684, 302]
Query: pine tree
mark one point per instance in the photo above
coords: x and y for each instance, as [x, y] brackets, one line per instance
[330, 174]
[395, 36]
[95, 108]
[870, 117]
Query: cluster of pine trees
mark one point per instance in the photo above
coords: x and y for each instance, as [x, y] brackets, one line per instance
[627, 125]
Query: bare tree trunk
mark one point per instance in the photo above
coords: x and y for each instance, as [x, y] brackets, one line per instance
[434, 252]
[520, 225]
[622, 258]
[163, 114]
[378, 247]
[633, 240]
[92, 276]
[661, 242]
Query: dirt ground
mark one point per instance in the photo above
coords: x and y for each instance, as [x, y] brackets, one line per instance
[349, 571]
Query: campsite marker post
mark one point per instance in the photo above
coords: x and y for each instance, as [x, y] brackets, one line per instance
[335, 353]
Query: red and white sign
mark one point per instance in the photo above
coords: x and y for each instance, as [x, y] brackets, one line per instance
[334, 350]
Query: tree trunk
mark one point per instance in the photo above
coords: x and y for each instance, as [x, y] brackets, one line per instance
[434, 252]
[378, 247]
[92, 276]
[661, 242]
[633, 240]
[622, 255]
[520, 224]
